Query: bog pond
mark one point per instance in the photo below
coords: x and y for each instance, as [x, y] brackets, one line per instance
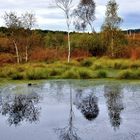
[70, 110]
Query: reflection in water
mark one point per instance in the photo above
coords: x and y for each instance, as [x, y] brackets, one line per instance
[114, 104]
[20, 107]
[69, 132]
[20, 103]
[88, 105]
[58, 88]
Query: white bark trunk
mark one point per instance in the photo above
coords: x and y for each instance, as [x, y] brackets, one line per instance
[26, 55]
[66, 7]
[69, 43]
[17, 52]
[112, 47]
[92, 28]
[69, 47]
[112, 43]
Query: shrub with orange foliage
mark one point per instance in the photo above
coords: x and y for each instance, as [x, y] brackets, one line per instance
[6, 58]
[134, 46]
[52, 54]
[135, 53]
[5, 45]
[80, 53]
[47, 54]
[40, 54]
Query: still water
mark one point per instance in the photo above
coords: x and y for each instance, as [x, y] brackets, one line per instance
[70, 110]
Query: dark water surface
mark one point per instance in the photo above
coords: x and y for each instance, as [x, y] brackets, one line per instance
[70, 110]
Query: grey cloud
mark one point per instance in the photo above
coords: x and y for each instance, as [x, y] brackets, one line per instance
[128, 9]
[52, 16]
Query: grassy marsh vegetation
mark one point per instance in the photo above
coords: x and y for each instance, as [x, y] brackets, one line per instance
[89, 68]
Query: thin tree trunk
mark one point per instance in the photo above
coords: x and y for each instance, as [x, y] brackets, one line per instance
[134, 35]
[112, 44]
[17, 52]
[69, 47]
[92, 28]
[112, 47]
[26, 54]
[69, 43]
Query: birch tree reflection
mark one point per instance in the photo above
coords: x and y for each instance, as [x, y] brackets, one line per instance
[88, 105]
[114, 103]
[20, 107]
[69, 132]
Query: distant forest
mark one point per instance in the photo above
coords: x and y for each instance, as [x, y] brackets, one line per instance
[4, 30]
[132, 31]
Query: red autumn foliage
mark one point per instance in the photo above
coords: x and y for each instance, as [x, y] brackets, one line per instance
[80, 53]
[134, 48]
[6, 58]
[135, 53]
[46, 54]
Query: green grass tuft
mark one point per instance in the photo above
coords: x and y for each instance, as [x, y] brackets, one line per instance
[86, 63]
[71, 74]
[101, 74]
[128, 74]
[85, 73]
[37, 74]
[17, 76]
[55, 72]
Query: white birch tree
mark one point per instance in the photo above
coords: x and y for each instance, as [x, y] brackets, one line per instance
[66, 6]
[12, 22]
[20, 25]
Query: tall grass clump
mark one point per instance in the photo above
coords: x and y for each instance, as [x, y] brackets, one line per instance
[101, 74]
[37, 74]
[97, 66]
[103, 63]
[55, 72]
[7, 72]
[138, 74]
[85, 73]
[87, 63]
[17, 76]
[39, 65]
[71, 63]
[60, 65]
[20, 68]
[135, 65]
[71, 74]
[128, 74]
[122, 64]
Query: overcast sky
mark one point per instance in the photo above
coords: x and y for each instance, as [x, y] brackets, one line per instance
[53, 18]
